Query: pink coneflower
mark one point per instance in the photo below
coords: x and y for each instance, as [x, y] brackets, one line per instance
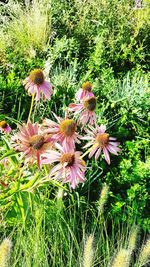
[64, 131]
[84, 91]
[31, 142]
[4, 127]
[35, 84]
[101, 141]
[70, 168]
[85, 110]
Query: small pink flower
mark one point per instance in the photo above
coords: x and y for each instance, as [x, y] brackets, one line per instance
[4, 127]
[32, 142]
[85, 110]
[35, 83]
[70, 168]
[84, 91]
[64, 131]
[101, 141]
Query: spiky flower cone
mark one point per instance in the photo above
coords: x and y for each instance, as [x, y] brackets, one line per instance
[144, 254]
[88, 252]
[5, 249]
[103, 198]
[122, 259]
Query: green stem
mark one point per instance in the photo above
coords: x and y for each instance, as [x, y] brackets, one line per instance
[31, 107]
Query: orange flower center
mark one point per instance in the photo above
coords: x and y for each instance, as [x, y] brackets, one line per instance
[37, 76]
[3, 124]
[90, 103]
[68, 127]
[87, 86]
[102, 139]
[68, 158]
[36, 141]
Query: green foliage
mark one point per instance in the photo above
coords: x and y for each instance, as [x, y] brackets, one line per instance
[130, 184]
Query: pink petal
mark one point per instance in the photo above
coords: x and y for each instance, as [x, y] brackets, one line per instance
[102, 128]
[37, 88]
[8, 129]
[50, 157]
[97, 153]
[93, 151]
[31, 89]
[106, 155]
[112, 150]
[79, 94]
[114, 143]
[112, 138]
[88, 144]
[56, 168]
[58, 146]
[46, 91]
[31, 129]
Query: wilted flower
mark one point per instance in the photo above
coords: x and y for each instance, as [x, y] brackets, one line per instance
[70, 168]
[64, 131]
[85, 110]
[4, 127]
[101, 141]
[84, 91]
[35, 84]
[32, 142]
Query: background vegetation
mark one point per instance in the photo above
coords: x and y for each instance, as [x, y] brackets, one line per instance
[107, 43]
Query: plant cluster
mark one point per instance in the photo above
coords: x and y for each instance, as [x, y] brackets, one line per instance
[88, 67]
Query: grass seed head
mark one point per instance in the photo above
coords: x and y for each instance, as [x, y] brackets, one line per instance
[122, 259]
[5, 249]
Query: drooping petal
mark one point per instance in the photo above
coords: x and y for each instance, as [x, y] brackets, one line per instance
[37, 88]
[93, 151]
[113, 149]
[106, 155]
[97, 153]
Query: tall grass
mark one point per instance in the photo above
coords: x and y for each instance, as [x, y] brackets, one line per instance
[66, 231]
[27, 26]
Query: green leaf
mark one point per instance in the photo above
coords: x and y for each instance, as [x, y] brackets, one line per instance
[10, 153]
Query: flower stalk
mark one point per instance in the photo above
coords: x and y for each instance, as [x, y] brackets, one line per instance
[31, 107]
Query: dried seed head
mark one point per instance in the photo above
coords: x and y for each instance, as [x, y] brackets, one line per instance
[90, 103]
[37, 76]
[68, 127]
